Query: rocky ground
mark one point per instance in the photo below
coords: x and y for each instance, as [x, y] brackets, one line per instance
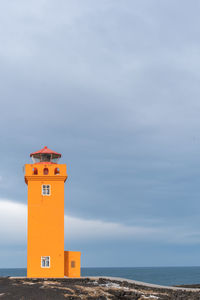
[86, 289]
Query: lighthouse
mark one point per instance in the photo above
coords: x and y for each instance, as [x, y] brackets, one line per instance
[46, 257]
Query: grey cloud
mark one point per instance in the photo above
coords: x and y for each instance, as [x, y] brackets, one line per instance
[113, 87]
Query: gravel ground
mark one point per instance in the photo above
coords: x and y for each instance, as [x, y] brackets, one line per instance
[88, 289]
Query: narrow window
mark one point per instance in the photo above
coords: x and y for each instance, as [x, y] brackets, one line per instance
[35, 171]
[45, 261]
[46, 190]
[73, 264]
[46, 171]
[57, 171]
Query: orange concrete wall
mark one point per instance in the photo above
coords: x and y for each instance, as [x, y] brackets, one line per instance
[74, 256]
[45, 220]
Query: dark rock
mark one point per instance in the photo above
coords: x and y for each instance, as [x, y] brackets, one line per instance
[74, 289]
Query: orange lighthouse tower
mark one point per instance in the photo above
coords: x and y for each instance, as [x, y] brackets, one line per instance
[45, 245]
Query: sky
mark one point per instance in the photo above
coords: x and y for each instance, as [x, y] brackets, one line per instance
[114, 87]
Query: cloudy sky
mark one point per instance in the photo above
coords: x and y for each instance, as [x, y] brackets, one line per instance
[115, 87]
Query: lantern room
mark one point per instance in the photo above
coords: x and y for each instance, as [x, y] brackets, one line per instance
[45, 155]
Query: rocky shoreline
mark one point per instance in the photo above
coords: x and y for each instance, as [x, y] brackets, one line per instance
[90, 289]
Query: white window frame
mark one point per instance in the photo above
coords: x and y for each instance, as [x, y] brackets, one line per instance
[44, 187]
[42, 257]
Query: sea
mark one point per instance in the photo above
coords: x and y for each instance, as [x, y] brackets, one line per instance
[157, 275]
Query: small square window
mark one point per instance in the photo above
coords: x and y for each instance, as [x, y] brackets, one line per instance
[46, 190]
[45, 261]
[73, 264]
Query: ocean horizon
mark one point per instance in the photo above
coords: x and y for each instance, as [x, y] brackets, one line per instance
[157, 275]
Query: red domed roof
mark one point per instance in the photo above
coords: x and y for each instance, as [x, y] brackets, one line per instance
[45, 150]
